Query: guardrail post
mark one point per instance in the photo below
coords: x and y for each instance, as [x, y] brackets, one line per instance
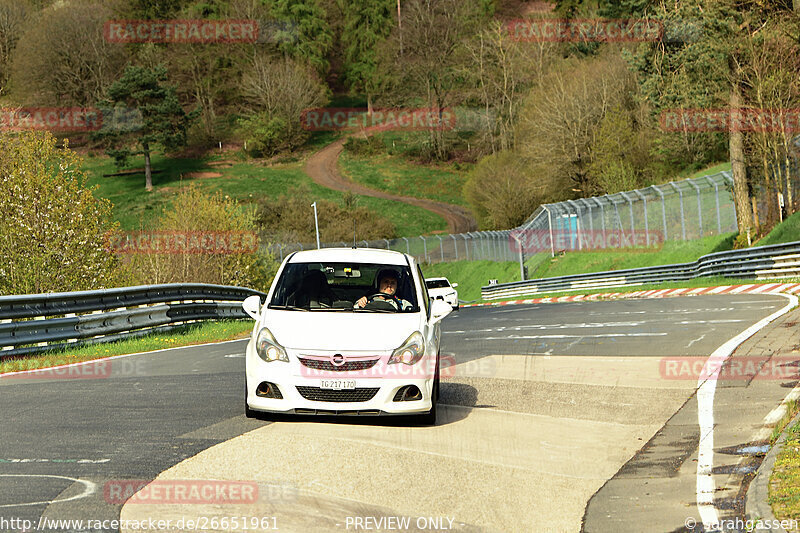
[683, 221]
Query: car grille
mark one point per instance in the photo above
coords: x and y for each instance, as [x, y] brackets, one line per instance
[348, 366]
[317, 394]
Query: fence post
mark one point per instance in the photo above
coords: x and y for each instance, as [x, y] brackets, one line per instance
[716, 197]
[455, 245]
[663, 210]
[683, 221]
[630, 206]
[425, 248]
[550, 226]
[387, 243]
[646, 224]
[577, 209]
[699, 208]
[441, 246]
[408, 247]
[466, 247]
[301, 246]
[602, 218]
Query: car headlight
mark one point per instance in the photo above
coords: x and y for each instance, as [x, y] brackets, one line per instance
[410, 351]
[268, 348]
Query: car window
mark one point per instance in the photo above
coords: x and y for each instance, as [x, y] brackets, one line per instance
[437, 284]
[337, 286]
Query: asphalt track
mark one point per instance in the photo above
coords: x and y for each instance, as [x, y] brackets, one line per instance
[569, 368]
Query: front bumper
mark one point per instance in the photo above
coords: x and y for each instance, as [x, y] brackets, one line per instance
[293, 377]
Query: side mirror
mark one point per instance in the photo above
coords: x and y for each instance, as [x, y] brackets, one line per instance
[252, 306]
[439, 310]
[454, 285]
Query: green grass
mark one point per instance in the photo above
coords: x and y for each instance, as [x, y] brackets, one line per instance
[183, 336]
[472, 275]
[787, 231]
[244, 181]
[624, 258]
[783, 494]
[396, 175]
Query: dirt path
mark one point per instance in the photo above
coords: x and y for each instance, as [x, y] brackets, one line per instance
[322, 168]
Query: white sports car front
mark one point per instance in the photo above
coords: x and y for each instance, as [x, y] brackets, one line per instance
[313, 350]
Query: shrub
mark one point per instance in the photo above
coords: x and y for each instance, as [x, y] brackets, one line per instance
[196, 211]
[52, 229]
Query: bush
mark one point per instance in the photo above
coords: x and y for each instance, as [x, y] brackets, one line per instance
[52, 229]
[290, 218]
[504, 190]
[196, 211]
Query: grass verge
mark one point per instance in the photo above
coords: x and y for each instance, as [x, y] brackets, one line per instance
[190, 334]
[783, 494]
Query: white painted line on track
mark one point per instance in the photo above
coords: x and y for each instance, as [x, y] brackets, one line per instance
[89, 488]
[601, 335]
[707, 385]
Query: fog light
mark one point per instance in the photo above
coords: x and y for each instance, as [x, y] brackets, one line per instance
[409, 393]
[269, 390]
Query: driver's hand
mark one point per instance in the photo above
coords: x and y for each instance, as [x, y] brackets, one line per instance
[361, 302]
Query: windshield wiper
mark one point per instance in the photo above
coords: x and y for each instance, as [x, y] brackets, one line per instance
[287, 307]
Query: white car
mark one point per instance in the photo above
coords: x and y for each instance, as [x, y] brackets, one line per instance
[313, 350]
[442, 289]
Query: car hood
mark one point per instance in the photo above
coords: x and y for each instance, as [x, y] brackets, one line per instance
[345, 331]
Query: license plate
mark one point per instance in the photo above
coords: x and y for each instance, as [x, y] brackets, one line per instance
[337, 384]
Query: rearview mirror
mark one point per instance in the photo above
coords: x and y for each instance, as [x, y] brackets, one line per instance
[252, 306]
[439, 310]
[454, 285]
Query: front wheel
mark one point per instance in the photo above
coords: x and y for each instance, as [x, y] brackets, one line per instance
[429, 418]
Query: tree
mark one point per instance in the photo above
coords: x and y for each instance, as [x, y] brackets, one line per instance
[163, 121]
[307, 35]
[367, 24]
[63, 58]
[560, 116]
[275, 93]
[53, 231]
[430, 65]
[13, 16]
[198, 212]
[502, 70]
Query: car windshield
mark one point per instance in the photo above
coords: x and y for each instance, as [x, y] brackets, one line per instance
[337, 287]
[437, 284]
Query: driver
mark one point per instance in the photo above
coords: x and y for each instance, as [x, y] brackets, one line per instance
[387, 282]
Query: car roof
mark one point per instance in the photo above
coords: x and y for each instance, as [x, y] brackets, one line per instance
[347, 255]
[437, 279]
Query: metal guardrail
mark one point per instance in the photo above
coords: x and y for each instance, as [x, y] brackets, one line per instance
[33, 323]
[761, 262]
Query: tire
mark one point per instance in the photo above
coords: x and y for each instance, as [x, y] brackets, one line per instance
[429, 418]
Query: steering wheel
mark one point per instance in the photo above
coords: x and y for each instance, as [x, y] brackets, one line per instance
[380, 297]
